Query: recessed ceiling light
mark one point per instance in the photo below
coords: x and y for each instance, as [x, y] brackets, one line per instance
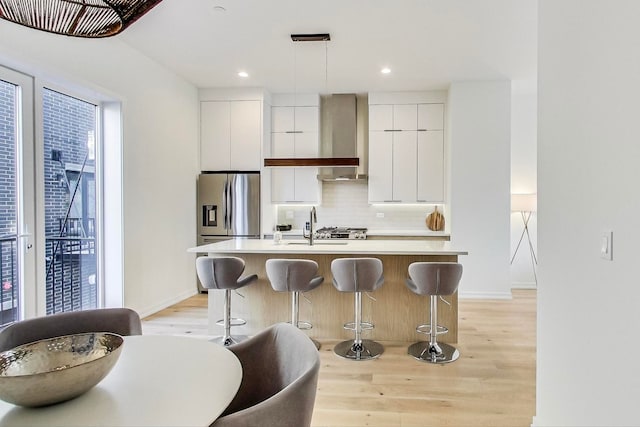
[385, 70]
[220, 9]
[243, 74]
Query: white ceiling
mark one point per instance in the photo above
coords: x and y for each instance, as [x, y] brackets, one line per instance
[426, 43]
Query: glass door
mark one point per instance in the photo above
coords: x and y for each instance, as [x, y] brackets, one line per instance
[71, 252]
[17, 201]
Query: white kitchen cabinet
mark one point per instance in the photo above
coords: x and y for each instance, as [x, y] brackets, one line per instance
[392, 167]
[294, 185]
[430, 166]
[430, 116]
[393, 117]
[380, 166]
[405, 166]
[405, 117]
[406, 153]
[295, 135]
[380, 117]
[430, 153]
[295, 119]
[230, 135]
[282, 185]
[215, 136]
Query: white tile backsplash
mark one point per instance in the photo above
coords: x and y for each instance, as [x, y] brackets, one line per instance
[345, 204]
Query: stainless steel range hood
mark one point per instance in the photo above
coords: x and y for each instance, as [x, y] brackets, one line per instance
[343, 135]
[344, 124]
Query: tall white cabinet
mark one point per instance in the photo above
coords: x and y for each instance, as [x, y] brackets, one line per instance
[295, 133]
[431, 160]
[230, 135]
[406, 151]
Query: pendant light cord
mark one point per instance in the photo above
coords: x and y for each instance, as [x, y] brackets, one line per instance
[326, 66]
[295, 81]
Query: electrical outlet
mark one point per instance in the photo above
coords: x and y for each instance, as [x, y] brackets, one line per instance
[606, 245]
[379, 214]
[289, 214]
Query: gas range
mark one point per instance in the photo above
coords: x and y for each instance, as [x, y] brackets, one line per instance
[341, 233]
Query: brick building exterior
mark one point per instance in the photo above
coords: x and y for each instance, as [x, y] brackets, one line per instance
[70, 249]
[8, 290]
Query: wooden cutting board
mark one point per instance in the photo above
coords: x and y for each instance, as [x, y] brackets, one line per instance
[435, 221]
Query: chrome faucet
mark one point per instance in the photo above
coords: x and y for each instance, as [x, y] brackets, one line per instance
[313, 219]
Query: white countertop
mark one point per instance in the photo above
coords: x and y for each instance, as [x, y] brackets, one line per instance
[350, 247]
[408, 233]
[380, 232]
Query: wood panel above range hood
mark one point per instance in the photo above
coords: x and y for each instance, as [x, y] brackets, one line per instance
[313, 161]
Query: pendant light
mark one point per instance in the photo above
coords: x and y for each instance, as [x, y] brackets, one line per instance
[76, 18]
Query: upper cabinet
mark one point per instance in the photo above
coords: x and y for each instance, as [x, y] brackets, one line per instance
[393, 117]
[430, 117]
[295, 133]
[230, 135]
[302, 119]
[430, 185]
[406, 152]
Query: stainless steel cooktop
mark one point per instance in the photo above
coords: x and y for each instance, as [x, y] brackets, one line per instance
[341, 233]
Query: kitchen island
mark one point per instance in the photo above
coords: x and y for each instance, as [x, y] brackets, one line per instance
[395, 312]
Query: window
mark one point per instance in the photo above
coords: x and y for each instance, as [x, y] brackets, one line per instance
[69, 129]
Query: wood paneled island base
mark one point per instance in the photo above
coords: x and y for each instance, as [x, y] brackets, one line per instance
[395, 312]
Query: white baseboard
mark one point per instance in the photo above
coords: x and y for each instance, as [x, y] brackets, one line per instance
[166, 303]
[524, 285]
[484, 295]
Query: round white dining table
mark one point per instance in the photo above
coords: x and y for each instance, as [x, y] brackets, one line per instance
[158, 381]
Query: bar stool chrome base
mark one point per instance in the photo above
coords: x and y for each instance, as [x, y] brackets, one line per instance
[433, 353]
[303, 325]
[227, 341]
[367, 350]
[234, 321]
[364, 326]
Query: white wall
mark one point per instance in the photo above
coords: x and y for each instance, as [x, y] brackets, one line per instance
[160, 152]
[589, 149]
[479, 118]
[523, 178]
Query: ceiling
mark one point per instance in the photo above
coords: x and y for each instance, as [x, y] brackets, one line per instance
[427, 44]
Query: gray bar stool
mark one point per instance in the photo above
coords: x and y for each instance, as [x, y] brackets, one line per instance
[295, 276]
[434, 279]
[357, 275]
[224, 273]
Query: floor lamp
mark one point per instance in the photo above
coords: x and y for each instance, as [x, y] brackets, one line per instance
[526, 204]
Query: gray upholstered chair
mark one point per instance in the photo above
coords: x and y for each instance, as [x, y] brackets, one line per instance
[122, 321]
[224, 273]
[294, 276]
[357, 275]
[280, 369]
[434, 279]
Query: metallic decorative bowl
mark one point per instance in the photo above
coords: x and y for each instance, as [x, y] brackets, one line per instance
[57, 369]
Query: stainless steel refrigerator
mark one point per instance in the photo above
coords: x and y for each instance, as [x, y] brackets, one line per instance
[228, 206]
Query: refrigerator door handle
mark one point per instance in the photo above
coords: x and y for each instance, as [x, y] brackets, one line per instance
[230, 203]
[224, 205]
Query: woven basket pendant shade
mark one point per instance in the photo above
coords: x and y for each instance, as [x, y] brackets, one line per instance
[77, 18]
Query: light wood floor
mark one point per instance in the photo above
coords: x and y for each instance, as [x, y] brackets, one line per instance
[492, 384]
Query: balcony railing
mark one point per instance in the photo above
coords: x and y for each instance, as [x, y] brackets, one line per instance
[8, 280]
[71, 274]
[71, 267]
